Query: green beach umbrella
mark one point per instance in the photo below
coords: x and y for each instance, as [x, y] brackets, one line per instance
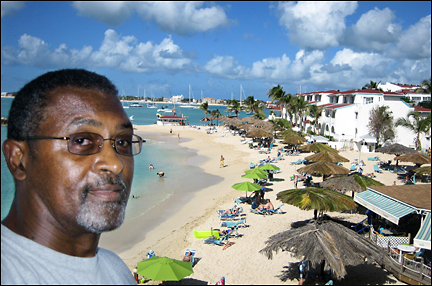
[269, 167]
[246, 186]
[254, 175]
[164, 269]
[256, 171]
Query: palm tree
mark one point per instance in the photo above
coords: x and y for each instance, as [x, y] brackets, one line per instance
[372, 85]
[417, 125]
[425, 87]
[216, 114]
[315, 112]
[279, 125]
[234, 106]
[301, 107]
[204, 106]
[381, 123]
[252, 105]
[278, 95]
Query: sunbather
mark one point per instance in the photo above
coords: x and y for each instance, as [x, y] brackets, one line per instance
[231, 211]
[188, 256]
[264, 206]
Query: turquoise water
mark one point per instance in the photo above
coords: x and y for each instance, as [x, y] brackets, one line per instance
[164, 153]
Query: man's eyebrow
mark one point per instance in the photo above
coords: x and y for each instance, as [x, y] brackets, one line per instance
[86, 121]
[127, 125]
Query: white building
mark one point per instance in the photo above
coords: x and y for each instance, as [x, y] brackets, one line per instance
[177, 98]
[346, 116]
[397, 87]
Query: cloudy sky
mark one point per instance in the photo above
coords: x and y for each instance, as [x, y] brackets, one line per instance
[218, 46]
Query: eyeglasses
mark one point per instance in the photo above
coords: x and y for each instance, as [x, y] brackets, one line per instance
[87, 143]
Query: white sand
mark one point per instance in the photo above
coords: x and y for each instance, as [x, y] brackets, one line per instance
[240, 263]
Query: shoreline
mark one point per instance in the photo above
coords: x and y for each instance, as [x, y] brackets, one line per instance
[173, 235]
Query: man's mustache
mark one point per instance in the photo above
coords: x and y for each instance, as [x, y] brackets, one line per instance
[103, 181]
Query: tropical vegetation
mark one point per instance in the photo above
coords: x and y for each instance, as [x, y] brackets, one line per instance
[381, 124]
[417, 124]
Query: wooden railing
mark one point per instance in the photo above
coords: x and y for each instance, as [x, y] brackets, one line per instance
[408, 270]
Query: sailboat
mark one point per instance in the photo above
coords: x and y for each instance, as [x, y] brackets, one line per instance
[165, 107]
[152, 105]
[188, 105]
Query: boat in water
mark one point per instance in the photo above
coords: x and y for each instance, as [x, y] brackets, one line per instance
[188, 105]
[170, 120]
[165, 109]
[136, 104]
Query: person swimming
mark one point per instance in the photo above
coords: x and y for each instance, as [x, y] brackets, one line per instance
[161, 174]
[151, 167]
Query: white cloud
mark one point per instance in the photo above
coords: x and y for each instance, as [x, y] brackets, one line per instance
[121, 53]
[315, 25]
[226, 67]
[374, 31]
[415, 42]
[8, 8]
[174, 17]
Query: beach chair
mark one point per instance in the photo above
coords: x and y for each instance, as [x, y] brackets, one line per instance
[189, 256]
[276, 210]
[281, 157]
[376, 168]
[353, 167]
[220, 212]
[223, 241]
[373, 158]
[232, 217]
[298, 162]
[241, 223]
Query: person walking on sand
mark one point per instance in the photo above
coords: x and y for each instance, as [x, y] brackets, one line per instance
[222, 159]
[295, 181]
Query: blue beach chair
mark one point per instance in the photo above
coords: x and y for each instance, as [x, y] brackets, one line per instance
[276, 210]
[376, 168]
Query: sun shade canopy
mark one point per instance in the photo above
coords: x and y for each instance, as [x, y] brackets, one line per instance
[385, 206]
[423, 237]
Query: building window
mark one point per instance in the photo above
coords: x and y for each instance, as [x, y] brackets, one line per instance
[327, 128]
[356, 131]
[356, 115]
[332, 130]
[367, 100]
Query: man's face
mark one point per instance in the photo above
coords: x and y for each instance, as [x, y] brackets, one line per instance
[81, 193]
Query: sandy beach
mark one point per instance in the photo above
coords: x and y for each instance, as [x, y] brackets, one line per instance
[241, 263]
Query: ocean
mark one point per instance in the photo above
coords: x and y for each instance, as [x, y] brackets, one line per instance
[181, 165]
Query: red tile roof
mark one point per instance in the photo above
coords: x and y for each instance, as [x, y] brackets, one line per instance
[336, 106]
[421, 109]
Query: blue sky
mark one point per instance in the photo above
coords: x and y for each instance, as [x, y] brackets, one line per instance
[218, 46]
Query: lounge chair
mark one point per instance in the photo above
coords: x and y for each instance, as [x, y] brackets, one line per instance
[298, 162]
[241, 223]
[353, 167]
[189, 256]
[377, 169]
[281, 157]
[231, 217]
[373, 158]
[264, 212]
[402, 169]
[223, 241]
[220, 212]
[276, 210]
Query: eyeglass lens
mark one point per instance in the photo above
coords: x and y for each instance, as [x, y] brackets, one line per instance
[86, 143]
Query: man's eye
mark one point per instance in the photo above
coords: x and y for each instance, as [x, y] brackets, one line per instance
[83, 141]
[123, 142]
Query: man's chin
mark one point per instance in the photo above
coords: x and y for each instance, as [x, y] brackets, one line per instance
[98, 218]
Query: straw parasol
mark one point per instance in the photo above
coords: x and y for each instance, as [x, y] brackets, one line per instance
[293, 139]
[356, 183]
[396, 149]
[317, 147]
[326, 240]
[318, 199]
[244, 126]
[416, 158]
[256, 132]
[423, 170]
[326, 156]
[324, 168]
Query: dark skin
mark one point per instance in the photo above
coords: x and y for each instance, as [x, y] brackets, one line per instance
[50, 180]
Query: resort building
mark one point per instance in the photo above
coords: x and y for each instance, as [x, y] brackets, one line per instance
[346, 115]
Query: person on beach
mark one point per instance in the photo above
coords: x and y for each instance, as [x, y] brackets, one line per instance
[231, 211]
[222, 159]
[69, 148]
[171, 131]
[160, 174]
[295, 181]
[135, 273]
[151, 167]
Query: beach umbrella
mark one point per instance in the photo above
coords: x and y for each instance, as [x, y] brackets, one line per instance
[245, 126]
[246, 186]
[423, 170]
[396, 149]
[356, 183]
[256, 171]
[326, 240]
[256, 132]
[324, 168]
[269, 167]
[293, 139]
[326, 156]
[416, 158]
[318, 199]
[254, 175]
[317, 147]
[164, 269]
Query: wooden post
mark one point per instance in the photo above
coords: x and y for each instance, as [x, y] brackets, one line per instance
[402, 262]
[421, 268]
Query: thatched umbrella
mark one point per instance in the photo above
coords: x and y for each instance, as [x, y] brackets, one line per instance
[324, 168]
[416, 158]
[423, 170]
[356, 183]
[245, 126]
[396, 149]
[326, 156]
[248, 119]
[318, 199]
[293, 138]
[256, 132]
[326, 240]
[317, 147]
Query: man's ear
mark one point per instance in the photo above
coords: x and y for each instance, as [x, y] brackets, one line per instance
[16, 156]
